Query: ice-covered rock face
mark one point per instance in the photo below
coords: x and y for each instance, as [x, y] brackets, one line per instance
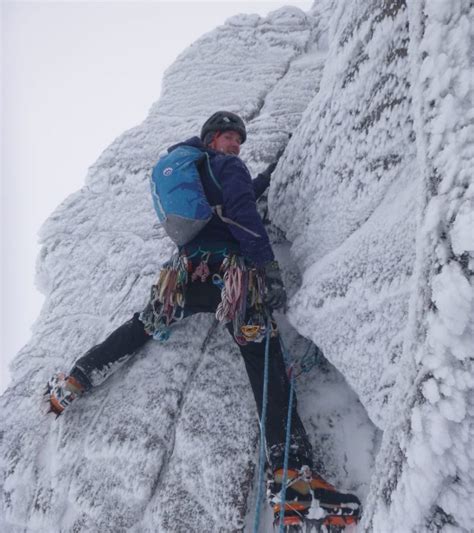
[345, 195]
[375, 192]
[375, 196]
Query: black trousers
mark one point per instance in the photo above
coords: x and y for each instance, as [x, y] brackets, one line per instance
[204, 297]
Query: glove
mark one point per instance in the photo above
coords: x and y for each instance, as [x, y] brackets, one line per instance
[268, 171]
[275, 294]
[271, 167]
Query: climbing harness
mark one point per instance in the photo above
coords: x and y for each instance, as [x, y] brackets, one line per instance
[168, 294]
[242, 294]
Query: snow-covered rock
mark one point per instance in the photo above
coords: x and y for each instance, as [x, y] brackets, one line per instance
[375, 195]
[378, 205]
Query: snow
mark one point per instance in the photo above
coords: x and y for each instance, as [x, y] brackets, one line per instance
[371, 211]
[441, 331]
[355, 240]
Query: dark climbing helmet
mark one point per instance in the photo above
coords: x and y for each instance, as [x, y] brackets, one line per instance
[224, 121]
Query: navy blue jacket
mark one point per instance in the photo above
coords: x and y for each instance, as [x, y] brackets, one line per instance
[238, 197]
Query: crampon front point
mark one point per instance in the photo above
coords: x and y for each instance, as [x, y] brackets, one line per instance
[61, 391]
[312, 504]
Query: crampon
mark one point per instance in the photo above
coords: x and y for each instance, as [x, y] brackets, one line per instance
[312, 504]
[61, 391]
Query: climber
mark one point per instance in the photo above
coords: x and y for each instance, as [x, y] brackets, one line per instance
[237, 243]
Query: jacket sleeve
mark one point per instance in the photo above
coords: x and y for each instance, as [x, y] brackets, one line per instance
[239, 205]
[260, 185]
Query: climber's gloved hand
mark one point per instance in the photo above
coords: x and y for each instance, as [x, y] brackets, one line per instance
[268, 171]
[275, 294]
[272, 166]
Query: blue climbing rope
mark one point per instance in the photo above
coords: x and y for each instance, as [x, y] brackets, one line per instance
[284, 481]
[307, 362]
[263, 421]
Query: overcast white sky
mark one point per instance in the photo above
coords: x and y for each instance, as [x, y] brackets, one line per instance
[75, 75]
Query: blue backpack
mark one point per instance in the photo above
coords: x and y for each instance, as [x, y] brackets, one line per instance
[178, 195]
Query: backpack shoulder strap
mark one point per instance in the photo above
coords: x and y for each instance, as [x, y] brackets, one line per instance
[218, 210]
[214, 179]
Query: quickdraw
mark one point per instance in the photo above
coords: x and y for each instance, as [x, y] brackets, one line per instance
[242, 293]
[169, 291]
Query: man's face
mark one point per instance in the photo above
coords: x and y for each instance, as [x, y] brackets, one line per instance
[227, 142]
